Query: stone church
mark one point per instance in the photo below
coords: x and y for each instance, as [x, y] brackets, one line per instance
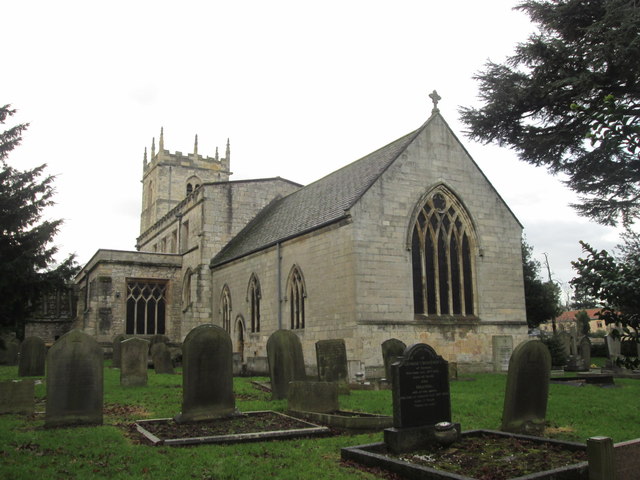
[411, 242]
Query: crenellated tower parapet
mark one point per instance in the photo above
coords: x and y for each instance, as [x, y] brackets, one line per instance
[167, 178]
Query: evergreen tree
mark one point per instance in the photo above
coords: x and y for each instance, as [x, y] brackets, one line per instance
[615, 282]
[27, 269]
[542, 299]
[569, 99]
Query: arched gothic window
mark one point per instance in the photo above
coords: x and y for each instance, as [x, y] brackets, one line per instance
[253, 297]
[441, 249]
[146, 307]
[189, 188]
[296, 294]
[225, 308]
[186, 290]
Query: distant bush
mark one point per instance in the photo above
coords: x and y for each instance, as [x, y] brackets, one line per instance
[556, 349]
[599, 349]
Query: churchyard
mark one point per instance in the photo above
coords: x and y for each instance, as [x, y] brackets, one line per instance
[33, 444]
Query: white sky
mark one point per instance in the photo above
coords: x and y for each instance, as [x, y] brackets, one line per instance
[301, 88]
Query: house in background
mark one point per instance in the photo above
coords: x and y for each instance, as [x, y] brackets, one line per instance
[411, 241]
[567, 320]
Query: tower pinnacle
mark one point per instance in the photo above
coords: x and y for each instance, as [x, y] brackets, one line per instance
[195, 146]
[161, 142]
[153, 147]
[227, 154]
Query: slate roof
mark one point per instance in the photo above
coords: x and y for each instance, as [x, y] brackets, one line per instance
[318, 204]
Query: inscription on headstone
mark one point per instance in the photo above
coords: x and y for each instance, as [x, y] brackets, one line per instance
[331, 356]
[420, 388]
[502, 349]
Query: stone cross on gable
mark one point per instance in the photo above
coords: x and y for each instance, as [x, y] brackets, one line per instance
[435, 98]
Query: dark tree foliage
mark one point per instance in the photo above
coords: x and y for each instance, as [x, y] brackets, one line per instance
[582, 320]
[27, 269]
[542, 299]
[615, 282]
[569, 99]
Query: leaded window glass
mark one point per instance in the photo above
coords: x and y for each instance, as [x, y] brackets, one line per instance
[146, 307]
[442, 262]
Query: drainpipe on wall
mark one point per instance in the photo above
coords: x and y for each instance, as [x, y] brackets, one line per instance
[279, 275]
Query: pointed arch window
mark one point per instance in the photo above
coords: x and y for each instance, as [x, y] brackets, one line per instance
[146, 307]
[253, 297]
[225, 308]
[296, 294]
[442, 262]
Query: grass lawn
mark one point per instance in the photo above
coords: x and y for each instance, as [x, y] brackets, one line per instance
[27, 451]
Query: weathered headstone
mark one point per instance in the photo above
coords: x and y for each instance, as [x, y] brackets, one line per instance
[117, 350]
[391, 350]
[502, 349]
[32, 357]
[207, 375]
[13, 351]
[331, 357]
[527, 390]
[17, 396]
[286, 362]
[613, 346]
[133, 362]
[155, 339]
[74, 381]
[421, 398]
[3, 351]
[584, 350]
[320, 397]
[565, 340]
[161, 357]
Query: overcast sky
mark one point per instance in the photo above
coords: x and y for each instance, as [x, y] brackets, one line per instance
[300, 88]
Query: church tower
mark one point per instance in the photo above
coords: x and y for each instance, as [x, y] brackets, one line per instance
[168, 178]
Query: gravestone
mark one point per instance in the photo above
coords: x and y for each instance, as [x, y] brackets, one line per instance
[207, 375]
[331, 356]
[32, 357]
[391, 350]
[134, 362]
[319, 397]
[502, 349]
[527, 390]
[155, 339]
[74, 381]
[421, 399]
[13, 351]
[17, 396]
[161, 357]
[117, 351]
[286, 362]
[584, 350]
[565, 341]
[3, 351]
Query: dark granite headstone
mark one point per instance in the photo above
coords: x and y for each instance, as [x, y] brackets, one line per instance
[161, 357]
[420, 388]
[133, 362]
[286, 362]
[527, 390]
[17, 396]
[320, 397]
[391, 350]
[207, 375]
[331, 356]
[74, 381]
[32, 357]
[117, 350]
